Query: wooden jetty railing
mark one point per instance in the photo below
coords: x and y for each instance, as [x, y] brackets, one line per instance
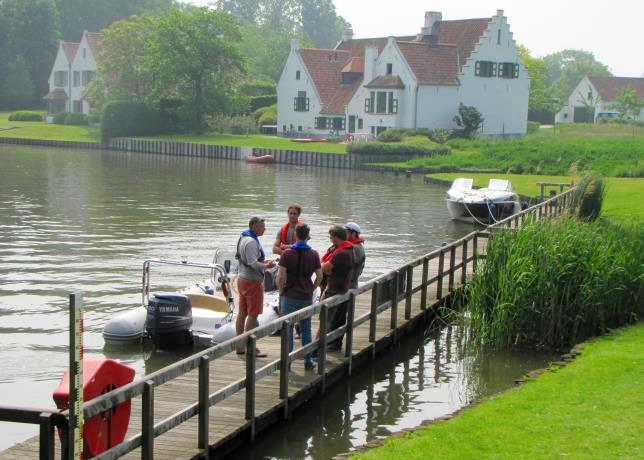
[389, 293]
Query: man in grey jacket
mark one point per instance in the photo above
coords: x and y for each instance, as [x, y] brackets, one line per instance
[252, 264]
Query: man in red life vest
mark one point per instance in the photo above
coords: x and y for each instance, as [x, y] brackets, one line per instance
[286, 235]
[337, 265]
[359, 256]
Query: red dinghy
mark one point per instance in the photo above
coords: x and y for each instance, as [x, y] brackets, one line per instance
[309, 140]
[264, 159]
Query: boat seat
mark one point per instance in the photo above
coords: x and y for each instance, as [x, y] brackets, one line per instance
[208, 302]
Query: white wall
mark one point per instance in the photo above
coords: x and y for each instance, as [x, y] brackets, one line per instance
[287, 89]
[437, 106]
[60, 64]
[83, 61]
[576, 99]
[503, 102]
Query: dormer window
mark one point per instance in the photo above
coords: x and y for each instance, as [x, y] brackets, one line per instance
[297, 74]
[390, 69]
[498, 37]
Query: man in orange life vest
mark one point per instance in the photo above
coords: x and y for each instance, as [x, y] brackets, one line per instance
[286, 235]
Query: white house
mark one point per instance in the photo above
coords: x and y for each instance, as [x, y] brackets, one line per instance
[364, 86]
[74, 67]
[593, 97]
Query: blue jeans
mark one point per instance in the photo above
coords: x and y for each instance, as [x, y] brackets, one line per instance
[289, 306]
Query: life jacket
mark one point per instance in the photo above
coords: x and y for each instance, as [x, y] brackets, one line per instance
[284, 234]
[331, 251]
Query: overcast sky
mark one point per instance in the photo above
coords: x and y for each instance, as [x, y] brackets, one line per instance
[612, 29]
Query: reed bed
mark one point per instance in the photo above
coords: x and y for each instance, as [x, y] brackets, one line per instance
[556, 283]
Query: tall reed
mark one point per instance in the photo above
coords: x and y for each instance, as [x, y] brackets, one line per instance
[588, 198]
[555, 283]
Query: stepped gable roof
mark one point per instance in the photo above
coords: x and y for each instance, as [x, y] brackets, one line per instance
[432, 65]
[609, 87]
[386, 81]
[464, 34]
[70, 50]
[325, 68]
[95, 42]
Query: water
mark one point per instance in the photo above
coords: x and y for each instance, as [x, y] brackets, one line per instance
[86, 220]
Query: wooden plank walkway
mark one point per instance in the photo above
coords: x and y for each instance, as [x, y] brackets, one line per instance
[245, 396]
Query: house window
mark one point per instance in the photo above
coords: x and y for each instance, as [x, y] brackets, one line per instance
[380, 129]
[508, 70]
[284, 128]
[301, 103]
[381, 102]
[485, 69]
[299, 128]
[498, 37]
[393, 104]
[368, 103]
[338, 123]
[590, 95]
[76, 78]
[78, 106]
[87, 76]
[321, 122]
[297, 74]
[390, 69]
[360, 124]
[60, 78]
[373, 130]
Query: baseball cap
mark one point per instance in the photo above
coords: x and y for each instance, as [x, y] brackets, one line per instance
[353, 227]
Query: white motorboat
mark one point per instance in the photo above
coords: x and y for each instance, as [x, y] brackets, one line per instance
[484, 205]
[202, 314]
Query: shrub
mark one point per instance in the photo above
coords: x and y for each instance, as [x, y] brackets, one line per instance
[398, 134]
[533, 127]
[76, 119]
[469, 119]
[440, 135]
[59, 118]
[241, 124]
[25, 115]
[258, 88]
[555, 283]
[414, 146]
[257, 102]
[266, 115]
[125, 118]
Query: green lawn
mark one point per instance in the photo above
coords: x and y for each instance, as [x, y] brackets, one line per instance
[254, 140]
[624, 196]
[593, 408]
[49, 131]
[596, 131]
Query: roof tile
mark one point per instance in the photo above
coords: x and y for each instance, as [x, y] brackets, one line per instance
[609, 87]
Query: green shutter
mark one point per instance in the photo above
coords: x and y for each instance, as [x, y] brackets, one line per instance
[395, 106]
[493, 69]
[515, 71]
[477, 68]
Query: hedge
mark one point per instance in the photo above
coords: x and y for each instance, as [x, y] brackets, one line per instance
[76, 119]
[59, 118]
[257, 102]
[415, 145]
[25, 115]
[125, 118]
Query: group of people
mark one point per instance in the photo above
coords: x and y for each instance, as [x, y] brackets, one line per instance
[300, 272]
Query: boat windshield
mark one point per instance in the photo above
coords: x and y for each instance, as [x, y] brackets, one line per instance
[462, 184]
[500, 184]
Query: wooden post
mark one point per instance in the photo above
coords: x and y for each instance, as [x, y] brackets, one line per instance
[147, 421]
[394, 300]
[324, 321]
[204, 403]
[423, 291]
[542, 191]
[452, 263]
[373, 317]
[464, 263]
[251, 363]
[475, 254]
[441, 267]
[46, 438]
[75, 432]
[408, 289]
[351, 309]
[284, 364]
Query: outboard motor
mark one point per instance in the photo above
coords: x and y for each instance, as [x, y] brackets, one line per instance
[168, 320]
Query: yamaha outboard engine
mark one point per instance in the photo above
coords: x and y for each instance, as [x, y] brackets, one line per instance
[168, 320]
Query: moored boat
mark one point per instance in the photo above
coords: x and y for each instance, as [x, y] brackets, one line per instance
[262, 159]
[485, 205]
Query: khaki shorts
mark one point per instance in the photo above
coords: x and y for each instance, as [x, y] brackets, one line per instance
[251, 297]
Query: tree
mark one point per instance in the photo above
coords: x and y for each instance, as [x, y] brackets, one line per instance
[95, 15]
[469, 119]
[245, 11]
[566, 69]
[628, 103]
[30, 31]
[195, 53]
[541, 98]
[17, 88]
[321, 23]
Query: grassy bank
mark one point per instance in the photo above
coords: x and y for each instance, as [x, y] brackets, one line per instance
[624, 196]
[46, 131]
[591, 409]
[254, 140]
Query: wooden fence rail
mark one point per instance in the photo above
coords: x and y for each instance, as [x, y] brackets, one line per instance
[388, 291]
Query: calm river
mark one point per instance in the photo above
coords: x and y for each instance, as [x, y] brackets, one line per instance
[86, 220]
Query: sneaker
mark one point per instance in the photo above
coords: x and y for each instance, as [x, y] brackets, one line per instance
[309, 366]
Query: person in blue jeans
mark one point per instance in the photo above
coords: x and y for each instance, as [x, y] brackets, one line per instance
[295, 279]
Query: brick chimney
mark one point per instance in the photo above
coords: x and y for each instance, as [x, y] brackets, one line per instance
[432, 18]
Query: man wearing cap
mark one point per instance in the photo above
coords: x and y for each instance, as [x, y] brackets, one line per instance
[359, 256]
[286, 235]
[252, 264]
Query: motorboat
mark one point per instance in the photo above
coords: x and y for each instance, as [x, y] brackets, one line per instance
[202, 314]
[262, 159]
[484, 205]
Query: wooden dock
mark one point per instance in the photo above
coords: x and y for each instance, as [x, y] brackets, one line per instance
[214, 401]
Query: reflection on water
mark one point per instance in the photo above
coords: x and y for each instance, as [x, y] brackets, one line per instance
[86, 220]
[422, 378]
